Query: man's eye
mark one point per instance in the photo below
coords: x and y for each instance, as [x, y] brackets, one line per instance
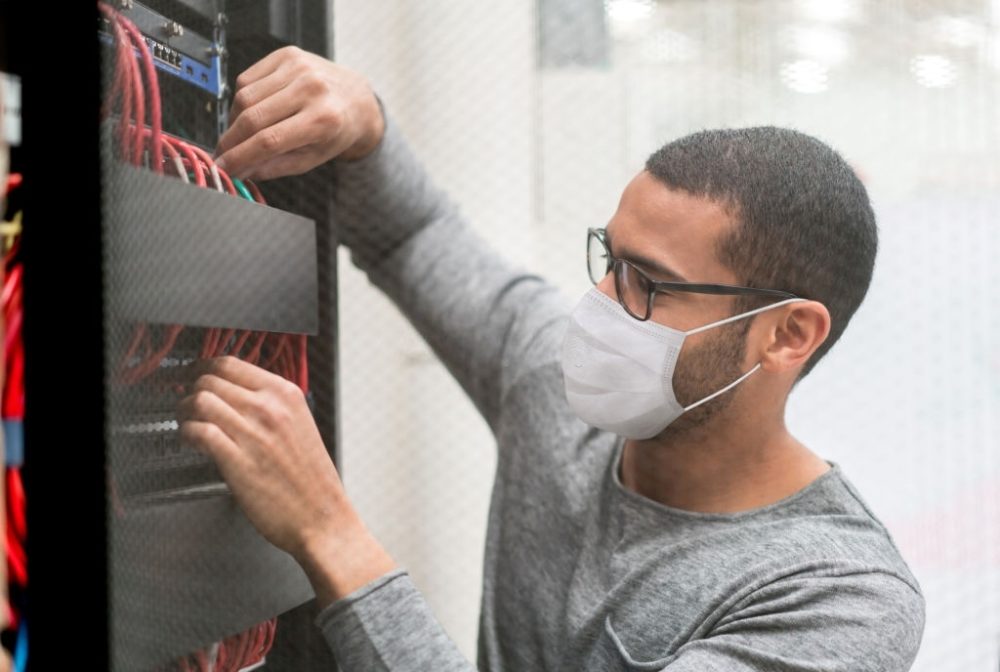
[665, 294]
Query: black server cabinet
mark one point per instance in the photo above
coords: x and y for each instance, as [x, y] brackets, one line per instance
[149, 275]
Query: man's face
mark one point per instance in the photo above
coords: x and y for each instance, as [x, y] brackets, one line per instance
[672, 235]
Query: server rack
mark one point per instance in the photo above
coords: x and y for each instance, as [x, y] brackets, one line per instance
[174, 567]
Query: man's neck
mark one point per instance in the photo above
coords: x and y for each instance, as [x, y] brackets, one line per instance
[720, 470]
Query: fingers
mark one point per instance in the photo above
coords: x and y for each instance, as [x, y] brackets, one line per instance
[292, 112]
[207, 407]
[208, 438]
[265, 66]
[253, 93]
[237, 372]
[291, 163]
[281, 138]
[259, 411]
[239, 398]
[257, 106]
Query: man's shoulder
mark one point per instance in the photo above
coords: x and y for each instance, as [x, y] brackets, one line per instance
[830, 529]
[806, 575]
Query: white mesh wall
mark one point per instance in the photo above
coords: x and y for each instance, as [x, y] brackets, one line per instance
[534, 115]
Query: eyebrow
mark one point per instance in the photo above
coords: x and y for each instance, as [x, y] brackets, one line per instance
[646, 263]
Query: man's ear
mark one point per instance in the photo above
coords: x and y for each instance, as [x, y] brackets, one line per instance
[792, 334]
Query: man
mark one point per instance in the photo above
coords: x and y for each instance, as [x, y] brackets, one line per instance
[650, 510]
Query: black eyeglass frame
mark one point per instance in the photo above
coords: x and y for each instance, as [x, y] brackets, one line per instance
[655, 286]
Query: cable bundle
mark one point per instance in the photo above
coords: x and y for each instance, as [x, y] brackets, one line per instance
[12, 411]
[140, 141]
[243, 651]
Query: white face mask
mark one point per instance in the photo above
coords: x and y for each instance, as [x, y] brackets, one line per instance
[619, 371]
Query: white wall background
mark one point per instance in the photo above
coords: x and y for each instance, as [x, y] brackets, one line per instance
[907, 403]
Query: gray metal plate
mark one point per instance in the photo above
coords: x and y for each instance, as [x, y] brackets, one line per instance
[178, 254]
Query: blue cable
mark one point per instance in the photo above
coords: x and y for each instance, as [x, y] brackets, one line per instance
[13, 437]
[21, 648]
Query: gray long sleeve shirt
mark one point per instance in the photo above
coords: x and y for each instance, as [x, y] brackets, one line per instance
[580, 573]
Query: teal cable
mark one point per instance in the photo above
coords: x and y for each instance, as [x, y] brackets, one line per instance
[240, 187]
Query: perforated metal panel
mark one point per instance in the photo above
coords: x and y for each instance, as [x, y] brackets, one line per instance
[191, 273]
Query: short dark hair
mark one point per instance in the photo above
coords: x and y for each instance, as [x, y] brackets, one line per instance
[803, 219]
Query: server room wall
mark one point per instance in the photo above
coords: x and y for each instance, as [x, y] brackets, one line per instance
[534, 115]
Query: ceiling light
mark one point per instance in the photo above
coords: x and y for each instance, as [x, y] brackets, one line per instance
[805, 76]
[820, 43]
[629, 11]
[933, 71]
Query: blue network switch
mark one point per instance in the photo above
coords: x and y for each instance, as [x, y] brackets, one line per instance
[172, 62]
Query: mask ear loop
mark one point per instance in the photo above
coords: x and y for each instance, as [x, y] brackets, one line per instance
[725, 389]
[727, 321]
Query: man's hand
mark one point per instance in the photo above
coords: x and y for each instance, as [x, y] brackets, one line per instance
[293, 111]
[259, 430]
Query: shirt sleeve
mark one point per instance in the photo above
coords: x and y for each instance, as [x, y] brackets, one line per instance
[872, 623]
[487, 320]
[387, 625]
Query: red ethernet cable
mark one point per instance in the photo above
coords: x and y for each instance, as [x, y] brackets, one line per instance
[303, 380]
[210, 343]
[154, 91]
[172, 152]
[257, 196]
[240, 342]
[227, 336]
[254, 355]
[152, 363]
[185, 149]
[281, 341]
[216, 173]
[13, 182]
[123, 81]
[140, 109]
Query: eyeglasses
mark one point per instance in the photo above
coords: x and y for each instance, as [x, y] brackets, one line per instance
[635, 289]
